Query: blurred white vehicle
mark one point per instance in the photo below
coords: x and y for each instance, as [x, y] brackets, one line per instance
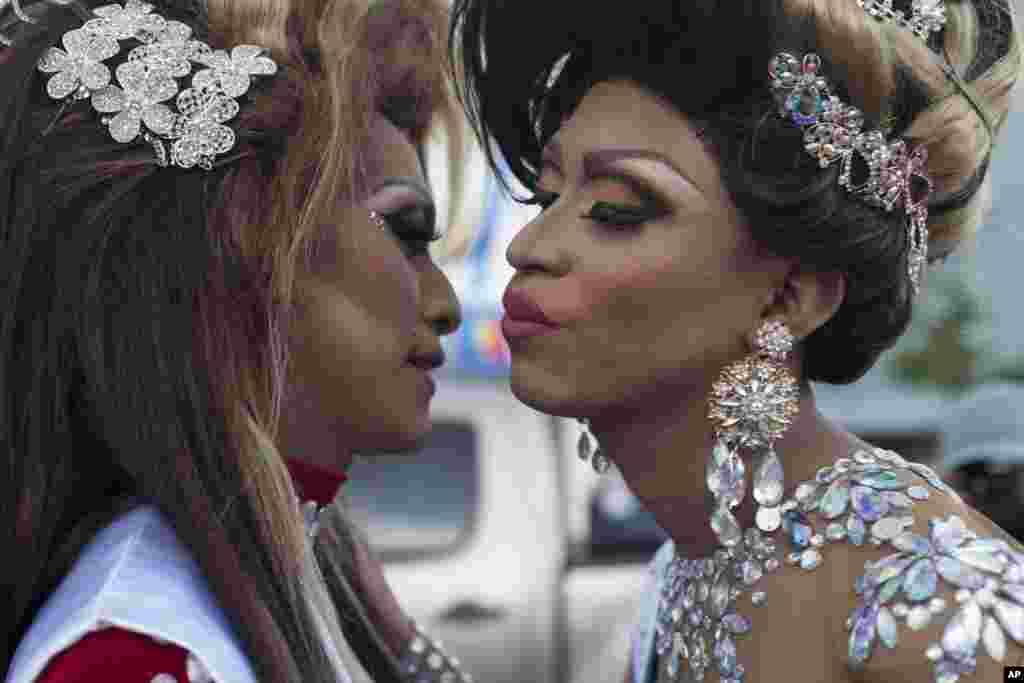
[499, 542]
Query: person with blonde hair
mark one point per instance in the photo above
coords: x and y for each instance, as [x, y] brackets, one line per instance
[739, 199]
[214, 233]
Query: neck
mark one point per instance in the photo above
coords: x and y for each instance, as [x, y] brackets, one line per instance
[662, 452]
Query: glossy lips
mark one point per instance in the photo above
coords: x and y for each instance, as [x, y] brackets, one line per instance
[425, 362]
[523, 317]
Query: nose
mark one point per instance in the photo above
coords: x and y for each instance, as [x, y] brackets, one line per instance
[537, 247]
[441, 308]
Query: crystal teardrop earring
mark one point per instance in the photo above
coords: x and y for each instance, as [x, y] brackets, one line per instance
[752, 403]
[587, 452]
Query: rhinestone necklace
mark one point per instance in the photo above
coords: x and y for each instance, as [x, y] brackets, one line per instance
[865, 498]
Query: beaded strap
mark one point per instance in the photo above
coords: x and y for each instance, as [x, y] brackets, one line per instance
[425, 661]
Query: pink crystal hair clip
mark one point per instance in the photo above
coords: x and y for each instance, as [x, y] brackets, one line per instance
[148, 81]
[882, 173]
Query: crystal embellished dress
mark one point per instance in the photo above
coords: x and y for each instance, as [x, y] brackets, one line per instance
[695, 611]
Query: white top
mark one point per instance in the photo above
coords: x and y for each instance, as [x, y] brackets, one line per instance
[136, 575]
[643, 634]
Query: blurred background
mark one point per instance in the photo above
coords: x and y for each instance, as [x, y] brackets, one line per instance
[529, 566]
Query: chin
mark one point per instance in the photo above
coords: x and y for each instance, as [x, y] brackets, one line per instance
[407, 435]
[541, 391]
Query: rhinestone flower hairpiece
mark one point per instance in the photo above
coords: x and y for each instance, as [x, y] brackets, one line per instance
[149, 81]
[926, 16]
[890, 174]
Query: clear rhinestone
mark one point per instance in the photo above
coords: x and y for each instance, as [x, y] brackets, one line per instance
[805, 491]
[934, 652]
[863, 457]
[884, 480]
[725, 526]
[918, 617]
[962, 633]
[958, 574]
[921, 580]
[981, 559]
[918, 492]
[720, 596]
[768, 519]
[750, 571]
[835, 531]
[993, 639]
[736, 623]
[810, 559]
[937, 605]
[1014, 591]
[826, 475]
[817, 540]
[912, 543]
[862, 635]
[725, 653]
[769, 480]
[887, 528]
[947, 535]
[897, 499]
[900, 609]
[889, 590]
[726, 475]
[836, 499]
[1011, 616]
[886, 624]
[758, 598]
[855, 529]
[868, 503]
[163, 678]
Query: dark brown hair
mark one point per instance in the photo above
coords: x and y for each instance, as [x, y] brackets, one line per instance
[709, 59]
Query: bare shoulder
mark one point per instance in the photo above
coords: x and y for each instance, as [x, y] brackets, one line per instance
[923, 587]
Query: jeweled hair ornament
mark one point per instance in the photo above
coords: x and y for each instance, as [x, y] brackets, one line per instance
[189, 133]
[926, 16]
[834, 132]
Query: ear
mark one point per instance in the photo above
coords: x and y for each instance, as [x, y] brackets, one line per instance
[807, 300]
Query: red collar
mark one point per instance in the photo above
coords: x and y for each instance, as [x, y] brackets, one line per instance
[315, 483]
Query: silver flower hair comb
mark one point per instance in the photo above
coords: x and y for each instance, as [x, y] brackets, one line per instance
[892, 173]
[926, 16]
[149, 80]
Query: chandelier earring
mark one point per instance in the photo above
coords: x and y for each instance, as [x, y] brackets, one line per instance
[752, 404]
[589, 450]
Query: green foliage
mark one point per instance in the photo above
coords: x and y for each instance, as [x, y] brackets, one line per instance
[947, 347]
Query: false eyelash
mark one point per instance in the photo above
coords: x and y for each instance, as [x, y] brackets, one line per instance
[542, 199]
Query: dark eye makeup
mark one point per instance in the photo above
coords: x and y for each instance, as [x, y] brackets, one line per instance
[414, 227]
[604, 212]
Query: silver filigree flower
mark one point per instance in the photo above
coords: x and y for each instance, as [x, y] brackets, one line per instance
[173, 51]
[232, 73]
[199, 130]
[134, 19]
[138, 100]
[78, 68]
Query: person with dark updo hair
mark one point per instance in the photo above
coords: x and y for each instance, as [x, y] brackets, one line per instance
[738, 199]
